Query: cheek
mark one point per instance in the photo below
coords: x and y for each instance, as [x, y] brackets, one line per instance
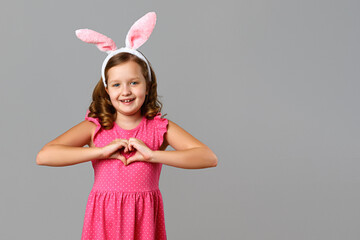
[113, 97]
[141, 93]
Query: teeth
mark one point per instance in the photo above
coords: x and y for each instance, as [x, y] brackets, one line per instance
[127, 100]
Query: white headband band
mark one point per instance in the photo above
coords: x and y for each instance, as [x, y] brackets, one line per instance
[123, 49]
[138, 34]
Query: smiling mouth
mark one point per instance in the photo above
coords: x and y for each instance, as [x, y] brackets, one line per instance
[127, 101]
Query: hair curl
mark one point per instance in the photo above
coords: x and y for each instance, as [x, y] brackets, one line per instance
[101, 106]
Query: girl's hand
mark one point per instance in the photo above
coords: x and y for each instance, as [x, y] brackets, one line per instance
[112, 150]
[143, 152]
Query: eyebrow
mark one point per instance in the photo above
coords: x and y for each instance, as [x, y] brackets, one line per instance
[116, 80]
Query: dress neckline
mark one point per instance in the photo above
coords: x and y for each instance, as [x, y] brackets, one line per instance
[135, 128]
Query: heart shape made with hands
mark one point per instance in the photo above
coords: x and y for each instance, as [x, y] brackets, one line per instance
[137, 148]
[127, 154]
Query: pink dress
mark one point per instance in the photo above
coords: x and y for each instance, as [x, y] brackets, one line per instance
[125, 202]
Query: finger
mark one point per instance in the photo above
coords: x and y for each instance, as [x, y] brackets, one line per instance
[134, 158]
[128, 161]
[131, 159]
[123, 145]
[123, 159]
[133, 145]
[126, 145]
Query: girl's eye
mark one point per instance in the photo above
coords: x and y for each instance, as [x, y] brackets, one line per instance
[116, 84]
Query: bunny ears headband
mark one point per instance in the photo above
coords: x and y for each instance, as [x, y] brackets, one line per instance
[138, 34]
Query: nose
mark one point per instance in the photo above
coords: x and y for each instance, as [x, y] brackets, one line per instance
[126, 90]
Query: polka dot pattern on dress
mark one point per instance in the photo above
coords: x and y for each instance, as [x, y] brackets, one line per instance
[125, 202]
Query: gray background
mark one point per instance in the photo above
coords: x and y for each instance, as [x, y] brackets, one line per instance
[271, 86]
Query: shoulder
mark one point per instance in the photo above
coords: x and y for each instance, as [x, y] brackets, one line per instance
[94, 126]
[89, 125]
[160, 121]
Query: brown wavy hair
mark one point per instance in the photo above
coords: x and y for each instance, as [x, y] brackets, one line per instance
[101, 106]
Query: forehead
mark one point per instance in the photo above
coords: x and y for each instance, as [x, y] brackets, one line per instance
[125, 72]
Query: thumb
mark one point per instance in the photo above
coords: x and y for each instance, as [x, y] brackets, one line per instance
[123, 159]
[130, 160]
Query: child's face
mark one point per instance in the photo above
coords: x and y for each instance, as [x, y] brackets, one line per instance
[126, 81]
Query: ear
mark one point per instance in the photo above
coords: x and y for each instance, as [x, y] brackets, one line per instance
[102, 42]
[140, 31]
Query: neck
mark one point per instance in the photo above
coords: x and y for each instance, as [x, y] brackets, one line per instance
[128, 121]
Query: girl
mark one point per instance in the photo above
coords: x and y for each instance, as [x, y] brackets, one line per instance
[127, 136]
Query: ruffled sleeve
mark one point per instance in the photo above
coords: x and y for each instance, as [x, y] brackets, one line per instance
[161, 127]
[94, 120]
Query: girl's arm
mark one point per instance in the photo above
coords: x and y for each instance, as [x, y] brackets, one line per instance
[190, 152]
[67, 149]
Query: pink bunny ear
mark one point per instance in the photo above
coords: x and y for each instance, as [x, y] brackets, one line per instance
[140, 31]
[102, 42]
